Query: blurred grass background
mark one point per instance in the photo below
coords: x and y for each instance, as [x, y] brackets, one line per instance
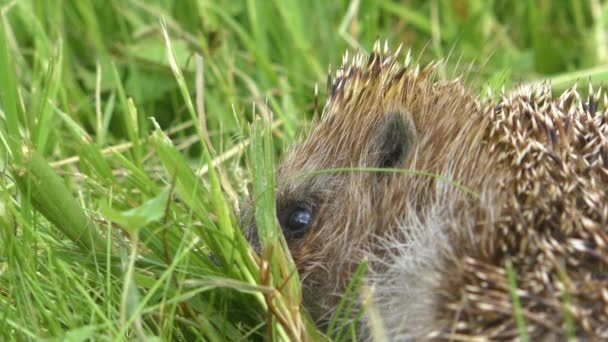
[113, 112]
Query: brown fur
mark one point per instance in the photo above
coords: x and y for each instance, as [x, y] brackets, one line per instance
[538, 170]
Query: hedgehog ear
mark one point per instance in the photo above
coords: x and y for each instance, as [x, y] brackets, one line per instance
[394, 141]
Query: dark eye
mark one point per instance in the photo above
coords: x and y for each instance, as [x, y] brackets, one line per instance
[297, 222]
[299, 219]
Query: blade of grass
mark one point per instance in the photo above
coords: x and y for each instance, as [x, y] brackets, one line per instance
[567, 302]
[9, 92]
[344, 310]
[517, 310]
[50, 196]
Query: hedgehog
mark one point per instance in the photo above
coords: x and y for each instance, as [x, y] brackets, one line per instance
[449, 195]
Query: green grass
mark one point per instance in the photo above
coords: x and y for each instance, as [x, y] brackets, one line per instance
[126, 145]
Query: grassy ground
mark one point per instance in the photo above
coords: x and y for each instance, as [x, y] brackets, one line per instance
[113, 111]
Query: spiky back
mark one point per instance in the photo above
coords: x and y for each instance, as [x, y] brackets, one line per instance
[552, 222]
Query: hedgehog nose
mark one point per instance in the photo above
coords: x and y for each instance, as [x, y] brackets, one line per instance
[250, 231]
[254, 241]
[214, 259]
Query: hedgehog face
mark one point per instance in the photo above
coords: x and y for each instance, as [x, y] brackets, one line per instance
[326, 214]
[335, 198]
[300, 202]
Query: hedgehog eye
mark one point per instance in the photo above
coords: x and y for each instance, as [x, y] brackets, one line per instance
[297, 222]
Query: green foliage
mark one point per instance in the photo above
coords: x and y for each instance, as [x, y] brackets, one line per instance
[124, 125]
[517, 311]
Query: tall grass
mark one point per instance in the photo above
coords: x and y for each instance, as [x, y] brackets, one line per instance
[127, 146]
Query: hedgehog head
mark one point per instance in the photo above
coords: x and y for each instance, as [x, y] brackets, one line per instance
[337, 190]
